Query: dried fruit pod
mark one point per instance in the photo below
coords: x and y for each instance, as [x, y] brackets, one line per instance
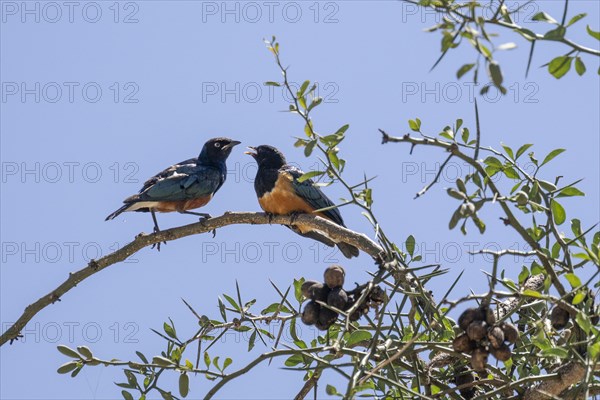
[377, 295]
[306, 286]
[496, 337]
[559, 318]
[334, 276]
[319, 292]
[490, 315]
[477, 330]
[468, 316]
[310, 315]
[479, 359]
[463, 378]
[502, 353]
[326, 318]
[337, 298]
[511, 333]
[463, 344]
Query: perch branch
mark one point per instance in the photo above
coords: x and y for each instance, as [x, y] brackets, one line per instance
[334, 231]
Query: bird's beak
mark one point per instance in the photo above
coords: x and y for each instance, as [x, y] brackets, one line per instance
[231, 144]
[252, 152]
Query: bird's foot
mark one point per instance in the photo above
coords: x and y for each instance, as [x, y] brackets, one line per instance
[270, 217]
[294, 216]
[157, 245]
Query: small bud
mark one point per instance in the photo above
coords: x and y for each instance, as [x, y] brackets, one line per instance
[467, 209]
[521, 198]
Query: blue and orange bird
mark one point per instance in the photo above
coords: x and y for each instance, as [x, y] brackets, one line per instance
[184, 186]
[279, 192]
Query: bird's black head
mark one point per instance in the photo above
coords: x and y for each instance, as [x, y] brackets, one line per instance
[217, 150]
[267, 156]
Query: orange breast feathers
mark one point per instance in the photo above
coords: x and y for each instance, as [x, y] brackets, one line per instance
[182, 205]
[283, 200]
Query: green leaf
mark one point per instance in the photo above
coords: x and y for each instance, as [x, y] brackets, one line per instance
[410, 245]
[227, 363]
[162, 361]
[560, 66]
[523, 275]
[463, 70]
[576, 18]
[294, 360]
[67, 351]
[302, 89]
[508, 151]
[232, 302]
[309, 148]
[532, 293]
[126, 395]
[358, 336]
[415, 125]
[555, 352]
[252, 341]
[584, 322]
[552, 154]
[465, 135]
[570, 191]
[310, 175]
[579, 297]
[547, 186]
[270, 83]
[184, 385]
[558, 212]
[592, 33]
[573, 279]
[67, 367]
[579, 66]
[170, 331]
[523, 149]
[556, 34]
[542, 16]
[298, 289]
[454, 219]
[495, 74]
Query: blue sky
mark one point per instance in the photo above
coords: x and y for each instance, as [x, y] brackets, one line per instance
[109, 103]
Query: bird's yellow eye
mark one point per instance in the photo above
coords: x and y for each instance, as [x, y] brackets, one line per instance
[217, 144]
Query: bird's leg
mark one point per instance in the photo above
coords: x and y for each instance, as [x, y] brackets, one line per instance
[203, 217]
[270, 217]
[156, 229]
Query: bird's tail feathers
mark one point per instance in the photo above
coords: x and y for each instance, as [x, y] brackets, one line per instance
[117, 212]
[348, 250]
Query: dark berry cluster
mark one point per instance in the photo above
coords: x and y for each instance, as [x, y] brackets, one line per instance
[332, 293]
[484, 336]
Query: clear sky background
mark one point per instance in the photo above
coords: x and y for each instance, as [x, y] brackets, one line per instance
[148, 93]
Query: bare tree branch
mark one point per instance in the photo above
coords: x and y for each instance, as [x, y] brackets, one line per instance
[334, 231]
